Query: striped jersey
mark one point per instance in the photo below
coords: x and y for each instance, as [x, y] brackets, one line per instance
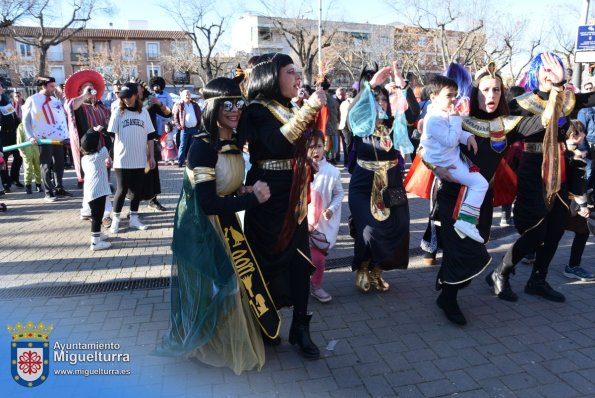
[130, 144]
[96, 179]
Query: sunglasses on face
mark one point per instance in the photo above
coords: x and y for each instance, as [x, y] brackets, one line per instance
[228, 105]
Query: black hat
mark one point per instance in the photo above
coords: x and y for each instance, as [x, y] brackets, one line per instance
[43, 80]
[157, 81]
[90, 141]
[128, 90]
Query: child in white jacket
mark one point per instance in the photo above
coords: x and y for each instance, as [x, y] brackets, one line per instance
[324, 212]
[440, 139]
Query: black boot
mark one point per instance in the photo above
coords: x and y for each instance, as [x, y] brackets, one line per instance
[38, 187]
[299, 334]
[28, 189]
[447, 301]
[537, 286]
[499, 280]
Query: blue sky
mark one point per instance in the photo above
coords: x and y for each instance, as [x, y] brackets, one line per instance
[372, 11]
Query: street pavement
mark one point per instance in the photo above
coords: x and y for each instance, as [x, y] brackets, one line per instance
[392, 344]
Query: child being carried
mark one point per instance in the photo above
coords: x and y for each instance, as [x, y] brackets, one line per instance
[440, 139]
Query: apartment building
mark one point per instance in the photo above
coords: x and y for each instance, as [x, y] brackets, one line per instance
[354, 45]
[116, 53]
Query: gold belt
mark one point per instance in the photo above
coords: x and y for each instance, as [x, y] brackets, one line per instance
[282, 164]
[533, 147]
[376, 165]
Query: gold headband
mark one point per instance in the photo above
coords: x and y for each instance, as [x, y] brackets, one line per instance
[489, 72]
[268, 61]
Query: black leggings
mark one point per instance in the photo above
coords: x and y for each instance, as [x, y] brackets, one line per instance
[578, 246]
[542, 238]
[128, 180]
[97, 206]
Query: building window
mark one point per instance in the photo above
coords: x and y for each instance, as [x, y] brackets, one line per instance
[152, 51]
[55, 53]
[181, 77]
[153, 70]
[360, 38]
[128, 50]
[102, 47]
[5, 75]
[2, 46]
[422, 41]
[265, 33]
[79, 51]
[57, 72]
[25, 50]
[128, 72]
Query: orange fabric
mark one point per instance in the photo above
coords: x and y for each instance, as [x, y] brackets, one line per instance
[322, 119]
[419, 179]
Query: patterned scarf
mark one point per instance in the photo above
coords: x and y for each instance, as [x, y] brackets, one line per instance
[551, 167]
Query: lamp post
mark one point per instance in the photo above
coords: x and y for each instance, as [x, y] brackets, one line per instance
[319, 37]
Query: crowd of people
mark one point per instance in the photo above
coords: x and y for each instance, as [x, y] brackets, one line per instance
[468, 140]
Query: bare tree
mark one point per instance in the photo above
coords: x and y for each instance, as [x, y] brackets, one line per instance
[511, 46]
[453, 36]
[12, 11]
[350, 51]
[204, 27]
[25, 69]
[300, 33]
[114, 64]
[47, 37]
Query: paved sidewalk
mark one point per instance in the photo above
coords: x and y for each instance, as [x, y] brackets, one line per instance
[389, 344]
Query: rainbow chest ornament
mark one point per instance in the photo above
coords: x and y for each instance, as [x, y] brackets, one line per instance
[495, 129]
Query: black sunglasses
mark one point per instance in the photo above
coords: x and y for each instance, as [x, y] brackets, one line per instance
[228, 105]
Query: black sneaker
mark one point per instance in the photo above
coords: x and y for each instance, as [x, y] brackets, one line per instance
[155, 205]
[62, 192]
[543, 289]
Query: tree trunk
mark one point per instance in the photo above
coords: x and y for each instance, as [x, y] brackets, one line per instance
[43, 52]
[209, 70]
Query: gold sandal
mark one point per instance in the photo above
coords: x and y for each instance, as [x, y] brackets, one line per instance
[362, 280]
[377, 281]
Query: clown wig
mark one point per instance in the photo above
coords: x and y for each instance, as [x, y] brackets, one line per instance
[461, 75]
[532, 82]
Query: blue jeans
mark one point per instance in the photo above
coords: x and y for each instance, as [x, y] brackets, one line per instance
[185, 136]
[585, 146]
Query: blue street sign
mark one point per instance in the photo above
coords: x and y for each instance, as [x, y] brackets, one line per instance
[585, 40]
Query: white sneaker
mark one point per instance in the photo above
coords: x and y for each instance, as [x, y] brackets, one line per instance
[320, 294]
[464, 228]
[115, 228]
[101, 245]
[136, 224]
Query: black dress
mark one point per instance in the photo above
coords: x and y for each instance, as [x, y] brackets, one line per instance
[385, 243]
[464, 259]
[282, 270]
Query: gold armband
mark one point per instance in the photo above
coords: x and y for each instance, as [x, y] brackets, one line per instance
[201, 174]
[296, 126]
